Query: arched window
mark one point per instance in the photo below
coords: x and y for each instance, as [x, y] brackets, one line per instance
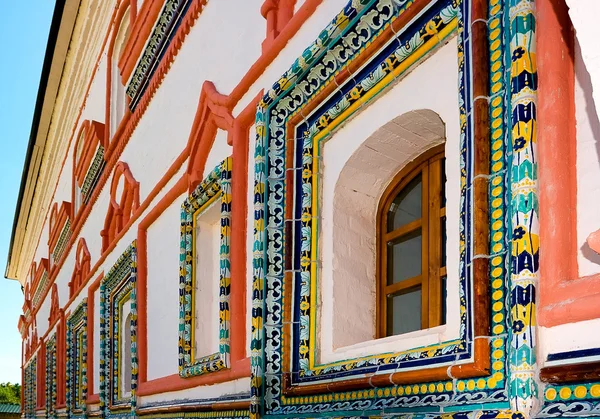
[412, 247]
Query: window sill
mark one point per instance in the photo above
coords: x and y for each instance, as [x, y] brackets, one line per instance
[397, 343]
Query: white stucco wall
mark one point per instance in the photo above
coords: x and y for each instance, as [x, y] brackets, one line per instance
[568, 337]
[583, 16]
[163, 238]
[588, 163]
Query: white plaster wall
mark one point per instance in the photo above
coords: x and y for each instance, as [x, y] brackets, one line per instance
[241, 385]
[207, 277]
[583, 16]
[298, 5]
[307, 34]
[588, 166]
[423, 88]
[219, 152]
[568, 337]
[163, 292]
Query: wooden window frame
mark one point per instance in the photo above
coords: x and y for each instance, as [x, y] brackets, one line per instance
[429, 166]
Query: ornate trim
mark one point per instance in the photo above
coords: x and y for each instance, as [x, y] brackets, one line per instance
[169, 19]
[216, 185]
[77, 348]
[116, 287]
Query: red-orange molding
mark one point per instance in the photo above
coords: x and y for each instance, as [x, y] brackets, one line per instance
[58, 219]
[212, 112]
[564, 297]
[92, 397]
[91, 133]
[42, 267]
[82, 267]
[126, 10]
[54, 306]
[121, 208]
[140, 32]
[277, 14]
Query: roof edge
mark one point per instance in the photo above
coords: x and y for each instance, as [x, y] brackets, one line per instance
[57, 18]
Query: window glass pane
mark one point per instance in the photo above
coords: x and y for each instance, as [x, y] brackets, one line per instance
[404, 312]
[406, 206]
[404, 257]
[443, 242]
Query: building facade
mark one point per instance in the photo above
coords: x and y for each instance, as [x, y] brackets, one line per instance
[313, 208]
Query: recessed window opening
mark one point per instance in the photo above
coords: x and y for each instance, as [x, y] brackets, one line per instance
[126, 368]
[207, 248]
[412, 248]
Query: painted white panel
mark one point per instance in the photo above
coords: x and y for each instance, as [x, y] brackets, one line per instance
[588, 167]
[219, 152]
[568, 337]
[207, 276]
[163, 292]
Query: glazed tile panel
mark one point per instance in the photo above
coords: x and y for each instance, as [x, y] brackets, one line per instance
[51, 377]
[30, 389]
[524, 204]
[217, 185]
[118, 286]
[76, 379]
[168, 21]
[346, 37]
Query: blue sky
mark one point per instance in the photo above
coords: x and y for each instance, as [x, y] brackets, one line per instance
[25, 34]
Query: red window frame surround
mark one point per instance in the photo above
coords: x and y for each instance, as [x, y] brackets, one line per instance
[277, 13]
[82, 267]
[92, 134]
[565, 297]
[58, 219]
[127, 9]
[120, 211]
[42, 266]
[214, 112]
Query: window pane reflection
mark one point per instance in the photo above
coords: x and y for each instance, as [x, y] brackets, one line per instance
[404, 312]
[406, 207]
[404, 257]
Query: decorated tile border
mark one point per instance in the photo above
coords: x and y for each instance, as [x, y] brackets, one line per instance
[93, 174]
[523, 203]
[217, 185]
[63, 239]
[76, 379]
[572, 401]
[30, 389]
[392, 63]
[167, 23]
[51, 389]
[223, 414]
[301, 83]
[42, 287]
[116, 287]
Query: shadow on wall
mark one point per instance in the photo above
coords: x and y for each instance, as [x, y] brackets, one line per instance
[583, 79]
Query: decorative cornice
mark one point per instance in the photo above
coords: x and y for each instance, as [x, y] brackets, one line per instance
[169, 19]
